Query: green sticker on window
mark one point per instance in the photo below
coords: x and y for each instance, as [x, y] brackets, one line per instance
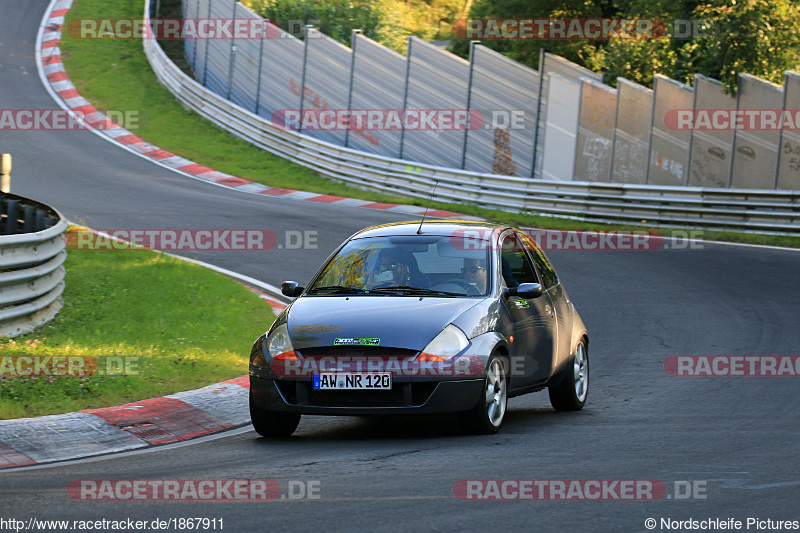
[358, 341]
[521, 304]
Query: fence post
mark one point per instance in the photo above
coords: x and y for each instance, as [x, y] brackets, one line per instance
[469, 100]
[194, 54]
[260, 65]
[733, 141]
[232, 62]
[405, 98]
[650, 136]
[208, 45]
[542, 55]
[5, 173]
[578, 130]
[780, 134]
[306, 38]
[691, 133]
[614, 137]
[350, 88]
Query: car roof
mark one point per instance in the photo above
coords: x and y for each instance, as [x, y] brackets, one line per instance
[429, 227]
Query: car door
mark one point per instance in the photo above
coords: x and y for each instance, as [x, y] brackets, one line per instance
[558, 298]
[532, 319]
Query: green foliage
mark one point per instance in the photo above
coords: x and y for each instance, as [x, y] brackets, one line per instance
[335, 18]
[388, 22]
[759, 37]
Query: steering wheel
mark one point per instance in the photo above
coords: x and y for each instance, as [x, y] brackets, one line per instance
[464, 285]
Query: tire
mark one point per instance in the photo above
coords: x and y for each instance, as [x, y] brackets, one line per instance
[488, 414]
[274, 425]
[571, 391]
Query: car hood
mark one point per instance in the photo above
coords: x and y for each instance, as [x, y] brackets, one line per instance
[399, 322]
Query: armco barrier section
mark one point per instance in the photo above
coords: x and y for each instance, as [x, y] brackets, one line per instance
[748, 210]
[32, 255]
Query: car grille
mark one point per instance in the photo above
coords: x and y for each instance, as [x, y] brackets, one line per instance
[359, 351]
[401, 395]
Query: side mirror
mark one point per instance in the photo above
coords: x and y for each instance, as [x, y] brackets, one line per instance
[524, 290]
[291, 289]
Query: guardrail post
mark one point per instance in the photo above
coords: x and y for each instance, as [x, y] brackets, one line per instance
[12, 217]
[5, 173]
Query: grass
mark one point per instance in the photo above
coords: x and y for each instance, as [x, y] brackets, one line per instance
[180, 326]
[115, 75]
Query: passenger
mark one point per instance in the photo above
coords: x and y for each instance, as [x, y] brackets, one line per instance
[474, 271]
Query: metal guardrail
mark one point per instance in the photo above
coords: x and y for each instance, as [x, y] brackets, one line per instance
[761, 211]
[32, 255]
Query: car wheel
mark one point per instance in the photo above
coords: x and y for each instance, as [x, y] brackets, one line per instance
[488, 414]
[269, 424]
[569, 394]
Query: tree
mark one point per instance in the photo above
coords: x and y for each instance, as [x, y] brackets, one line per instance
[759, 37]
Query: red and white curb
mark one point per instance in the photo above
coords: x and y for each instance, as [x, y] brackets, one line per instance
[56, 80]
[277, 305]
[173, 418]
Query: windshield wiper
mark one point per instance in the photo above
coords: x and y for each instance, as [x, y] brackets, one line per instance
[337, 289]
[407, 289]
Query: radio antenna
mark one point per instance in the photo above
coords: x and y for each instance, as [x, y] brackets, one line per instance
[419, 230]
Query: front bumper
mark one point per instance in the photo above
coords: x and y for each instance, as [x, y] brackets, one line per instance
[406, 397]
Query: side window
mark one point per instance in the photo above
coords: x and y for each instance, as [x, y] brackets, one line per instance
[514, 262]
[549, 277]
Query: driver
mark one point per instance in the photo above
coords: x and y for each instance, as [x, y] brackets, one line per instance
[474, 271]
[392, 271]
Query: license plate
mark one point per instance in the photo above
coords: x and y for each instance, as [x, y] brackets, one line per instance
[353, 381]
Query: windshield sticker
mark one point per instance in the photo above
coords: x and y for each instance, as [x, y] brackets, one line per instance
[359, 341]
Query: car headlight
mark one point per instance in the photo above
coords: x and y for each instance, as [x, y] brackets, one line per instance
[449, 342]
[279, 345]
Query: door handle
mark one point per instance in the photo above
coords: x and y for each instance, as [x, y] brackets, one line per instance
[548, 310]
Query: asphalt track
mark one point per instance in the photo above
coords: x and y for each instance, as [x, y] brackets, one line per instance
[739, 436]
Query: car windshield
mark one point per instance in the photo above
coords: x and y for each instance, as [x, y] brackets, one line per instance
[418, 265]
